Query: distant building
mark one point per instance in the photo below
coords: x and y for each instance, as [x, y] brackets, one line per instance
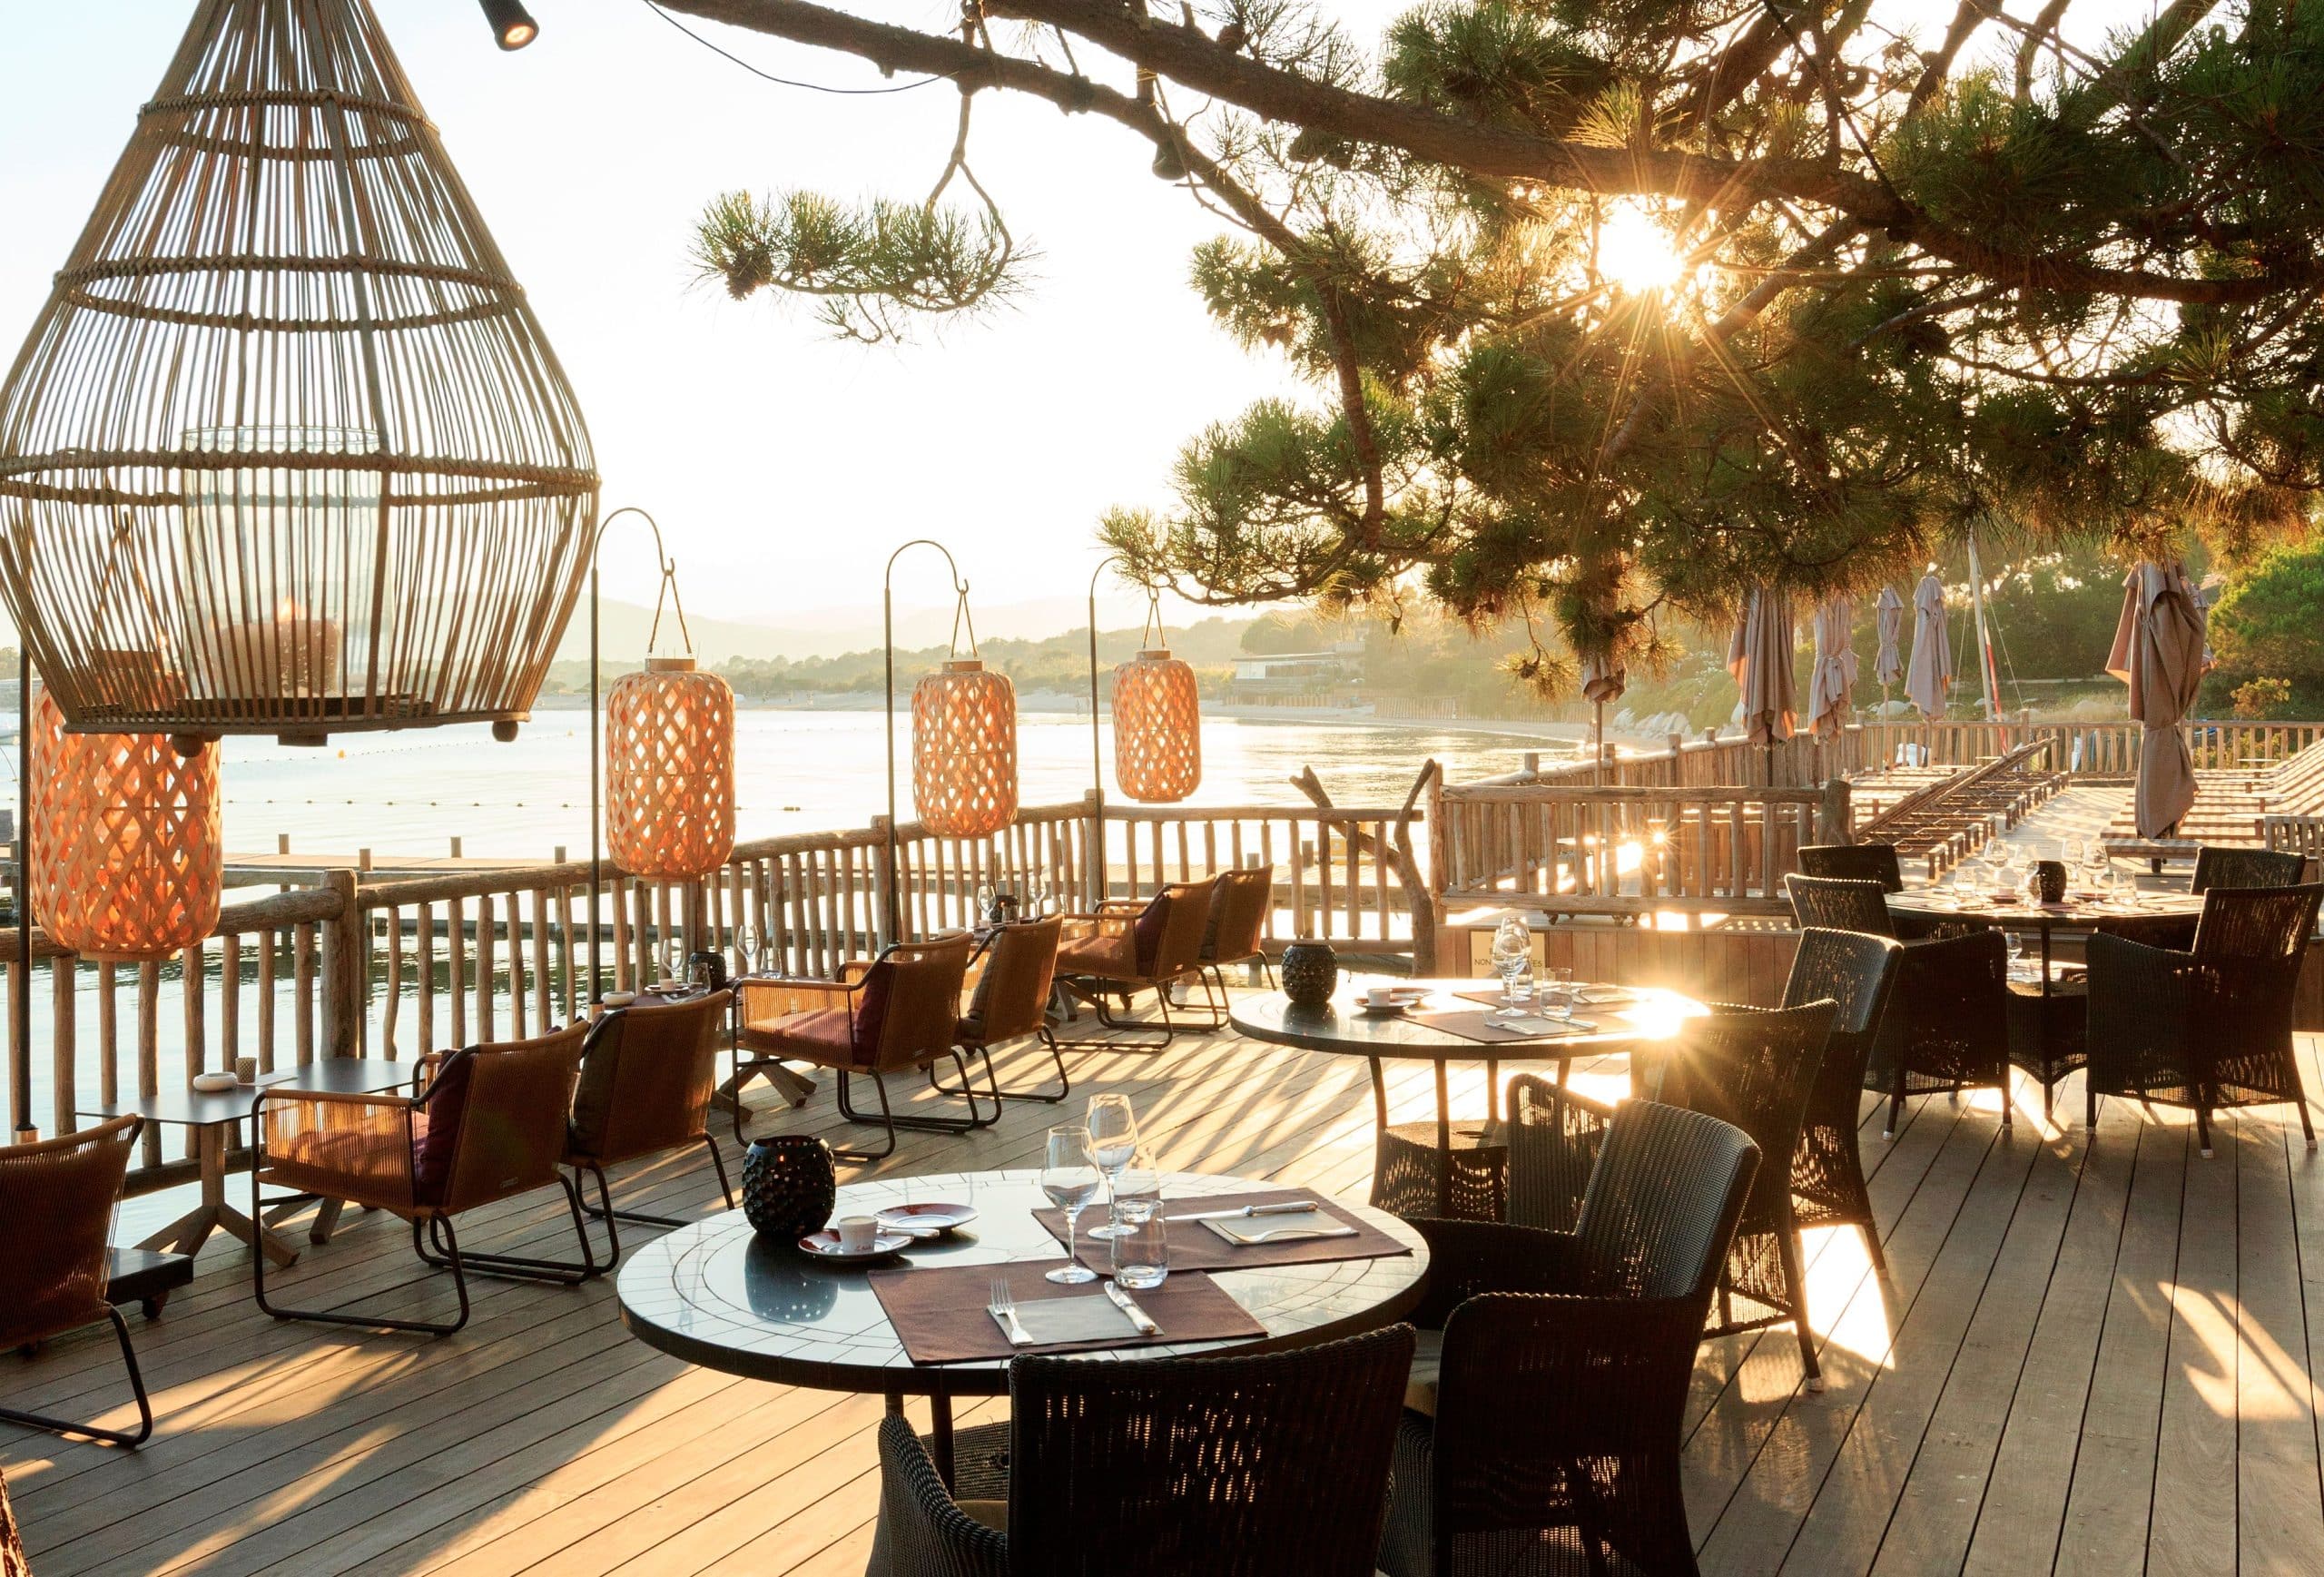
[1298, 679]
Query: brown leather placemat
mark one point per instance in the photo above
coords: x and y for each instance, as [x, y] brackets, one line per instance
[940, 1311]
[1195, 1246]
[1474, 1027]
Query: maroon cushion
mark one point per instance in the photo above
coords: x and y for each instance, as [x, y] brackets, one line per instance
[435, 1142]
[1152, 921]
[872, 1008]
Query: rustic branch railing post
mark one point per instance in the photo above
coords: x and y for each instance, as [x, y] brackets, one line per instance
[345, 981]
[1834, 819]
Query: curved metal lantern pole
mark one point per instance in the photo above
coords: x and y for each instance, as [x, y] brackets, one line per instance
[1097, 751]
[895, 913]
[596, 752]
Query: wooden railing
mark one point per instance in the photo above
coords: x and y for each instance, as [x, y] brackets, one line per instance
[2108, 749]
[1626, 849]
[1714, 760]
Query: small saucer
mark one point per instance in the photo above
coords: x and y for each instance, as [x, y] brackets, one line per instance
[824, 1245]
[931, 1218]
[1385, 1010]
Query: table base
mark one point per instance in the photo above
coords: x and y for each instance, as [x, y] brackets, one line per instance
[188, 1232]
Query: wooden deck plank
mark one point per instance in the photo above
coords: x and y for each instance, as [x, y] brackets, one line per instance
[2069, 1341]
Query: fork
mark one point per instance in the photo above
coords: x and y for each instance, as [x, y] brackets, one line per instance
[1003, 1309]
[1301, 1232]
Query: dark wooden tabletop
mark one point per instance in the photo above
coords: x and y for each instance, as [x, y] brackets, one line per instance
[2169, 910]
[1341, 1025]
[199, 1109]
[717, 1295]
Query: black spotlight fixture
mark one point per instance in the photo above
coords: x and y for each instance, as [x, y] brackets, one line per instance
[512, 25]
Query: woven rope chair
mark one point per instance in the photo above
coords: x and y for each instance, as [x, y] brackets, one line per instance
[12, 1545]
[490, 1123]
[1554, 1136]
[1859, 972]
[58, 1198]
[1855, 862]
[898, 1012]
[647, 1075]
[1011, 1002]
[2211, 1028]
[1839, 903]
[1755, 1068]
[1546, 1439]
[2218, 867]
[1273, 1465]
[1131, 946]
[1238, 922]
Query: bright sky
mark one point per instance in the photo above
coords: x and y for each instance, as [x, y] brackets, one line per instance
[783, 466]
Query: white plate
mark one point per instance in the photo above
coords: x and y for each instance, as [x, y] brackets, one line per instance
[824, 1245]
[930, 1219]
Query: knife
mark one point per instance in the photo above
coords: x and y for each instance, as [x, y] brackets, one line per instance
[1290, 1207]
[1129, 1306]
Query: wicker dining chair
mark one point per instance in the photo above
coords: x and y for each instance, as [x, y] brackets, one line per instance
[12, 1544]
[1855, 862]
[1946, 1027]
[1011, 1002]
[897, 1013]
[2222, 867]
[1238, 923]
[2210, 1028]
[1858, 972]
[58, 1197]
[1554, 1135]
[488, 1124]
[1128, 947]
[1839, 903]
[647, 1071]
[1269, 1465]
[1543, 1430]
[1755, 1068]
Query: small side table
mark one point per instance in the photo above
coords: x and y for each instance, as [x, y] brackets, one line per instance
[214, 1115]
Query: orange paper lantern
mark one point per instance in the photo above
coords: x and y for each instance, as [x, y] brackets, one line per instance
[670, 770]
[964, 750]
[126, 862]
[1158, 728]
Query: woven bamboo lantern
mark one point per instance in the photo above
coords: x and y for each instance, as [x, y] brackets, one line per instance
[1158, 728]
[670, 770]
[964, 750]
[286, 451]
[125, 854]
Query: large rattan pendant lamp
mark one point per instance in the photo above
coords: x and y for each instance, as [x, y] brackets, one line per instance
[125, 854]
[963, 736]
[1157, 719]
[286, 451]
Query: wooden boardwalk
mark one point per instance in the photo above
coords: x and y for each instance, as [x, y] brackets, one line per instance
[2094, 1355]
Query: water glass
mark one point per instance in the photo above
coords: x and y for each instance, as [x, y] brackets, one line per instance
[1113, 1142]
[1557, 994]
[1141, 1243]
[1070, 1179]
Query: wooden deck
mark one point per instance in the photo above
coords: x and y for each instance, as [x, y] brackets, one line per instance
[2093, 1357]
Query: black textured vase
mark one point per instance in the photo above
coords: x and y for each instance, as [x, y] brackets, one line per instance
[1311, 971]
[2051, 874]
[788, 1185]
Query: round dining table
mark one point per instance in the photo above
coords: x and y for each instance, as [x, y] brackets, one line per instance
[717, 1294]
[1649, 1016]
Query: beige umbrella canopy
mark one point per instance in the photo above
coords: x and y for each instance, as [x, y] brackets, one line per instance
[1887, 665]
[1760, 657]
[1831, 684]
[1930, 678]
[2159, 654]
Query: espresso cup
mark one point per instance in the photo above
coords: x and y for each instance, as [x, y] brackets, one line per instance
[1380, 996]
[856, 1233]
[246, 1071]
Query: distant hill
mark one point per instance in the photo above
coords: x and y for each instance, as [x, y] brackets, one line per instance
[804, 633]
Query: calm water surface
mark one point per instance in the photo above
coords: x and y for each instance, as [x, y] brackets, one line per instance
[408, 793]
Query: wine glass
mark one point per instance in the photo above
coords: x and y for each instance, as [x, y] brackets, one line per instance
[2014, 946]
[2095, 865]
[1113, 1140]
[1070, 1179]
[1512, 954]
[1040, 899]
[984, 902]
[746, 948]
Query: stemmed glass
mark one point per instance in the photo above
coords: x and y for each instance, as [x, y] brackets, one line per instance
[984, 902]
[1512, 955]
[1070, 1177]
[2094, 862]
[1113, 1140]
[1041, 905]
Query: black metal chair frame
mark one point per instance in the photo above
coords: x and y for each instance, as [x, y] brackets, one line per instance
[604, 1210]
[129, 1439]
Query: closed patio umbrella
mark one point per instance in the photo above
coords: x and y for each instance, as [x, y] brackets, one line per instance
[1831, 684]
[1888, 664]
[1930, 678]
[1760, 658]
[2159, 654]
[1603, 680]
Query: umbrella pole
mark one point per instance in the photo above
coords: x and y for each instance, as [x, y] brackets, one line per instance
[1597, 744]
